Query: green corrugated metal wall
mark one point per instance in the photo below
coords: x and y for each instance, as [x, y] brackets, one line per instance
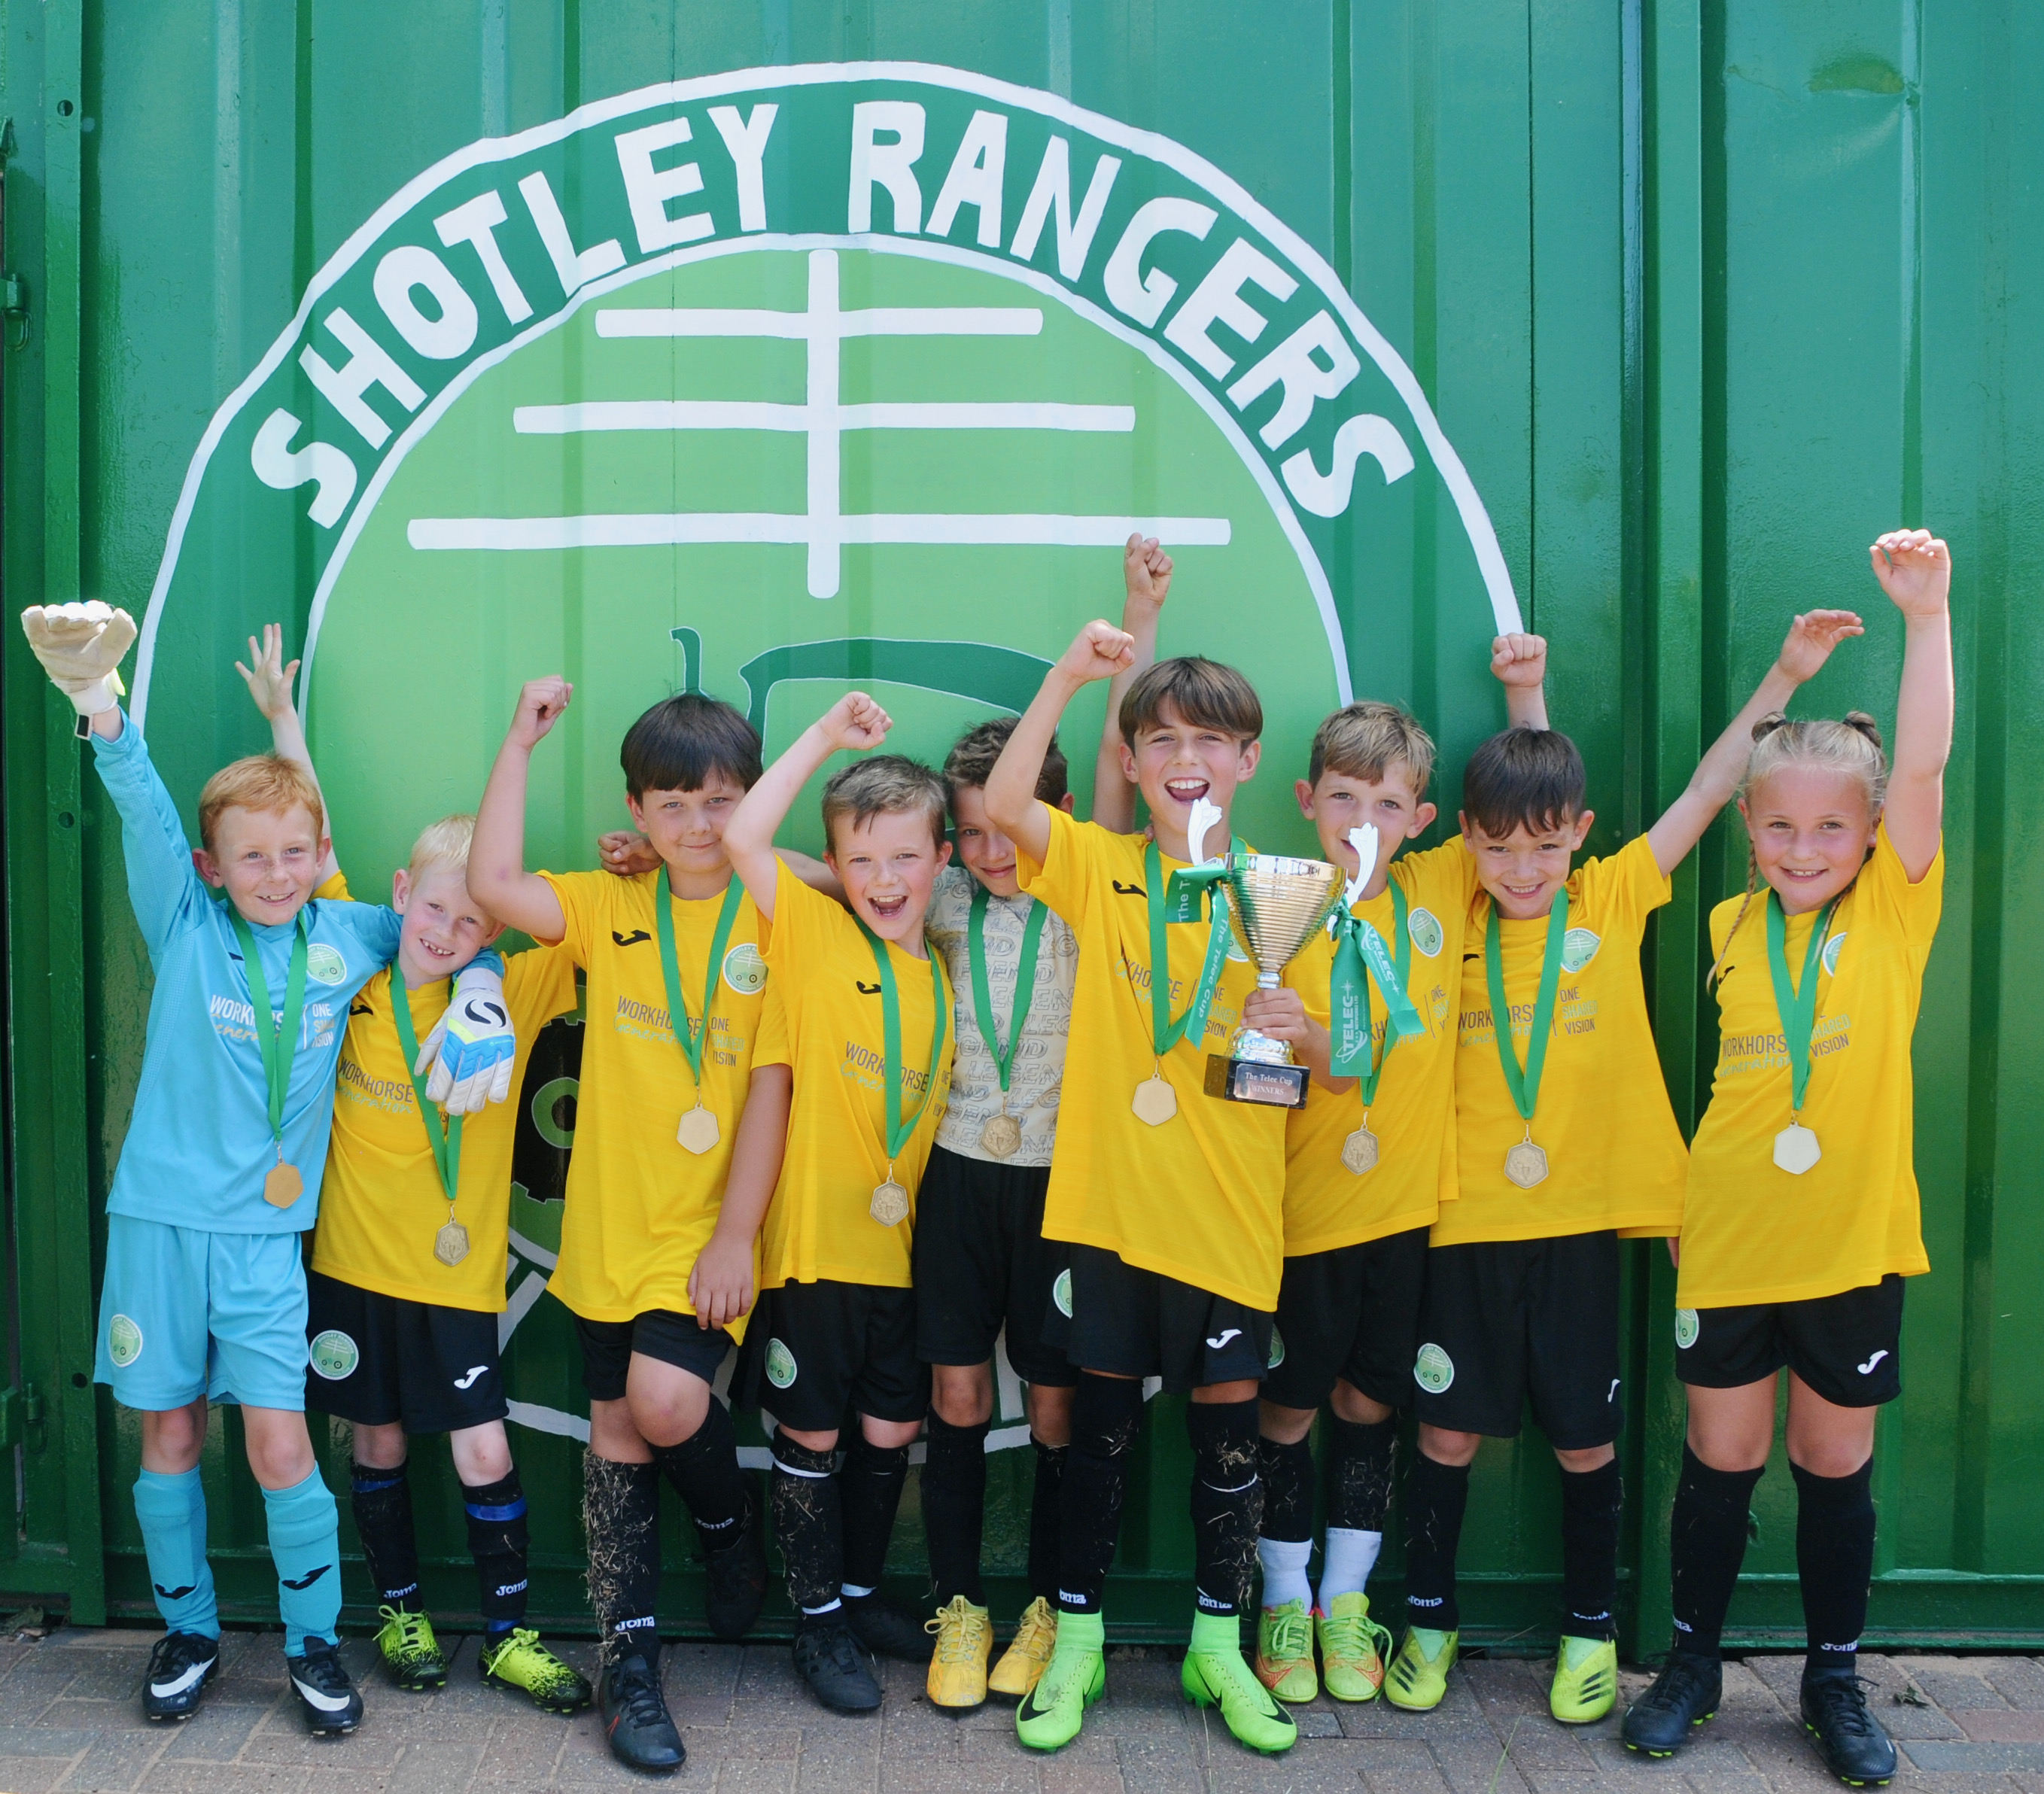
[1703, 297]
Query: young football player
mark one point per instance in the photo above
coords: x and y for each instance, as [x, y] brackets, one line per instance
[1565, 1142]
[982, 1267]
[403, 1300]
[205, 1292]
[868, 1008]
[1171, 1199]
[679, 1067]
[1801, 1218]
[1368, 1161]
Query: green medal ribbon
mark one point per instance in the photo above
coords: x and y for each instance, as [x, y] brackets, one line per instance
[890, 1013]
[1180, 902]
[1797, 1008]
[1025, 979]
[276, 1038]
[444, 1135]
[1525, 1086]
[693, 1041]
[1357, 945]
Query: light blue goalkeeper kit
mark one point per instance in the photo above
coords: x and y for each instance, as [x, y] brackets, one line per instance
[206, 1290]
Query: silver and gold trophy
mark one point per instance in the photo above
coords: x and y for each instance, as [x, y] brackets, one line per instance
[1275, 903]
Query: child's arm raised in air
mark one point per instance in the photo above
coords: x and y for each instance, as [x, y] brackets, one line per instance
[1099, 651]
[854, 722]
[1809, 644]
[1915, 569]
[721, 1282]
[497, 875]
[1145, 571]
[269, 682]
[1520, 663]
[626, 852]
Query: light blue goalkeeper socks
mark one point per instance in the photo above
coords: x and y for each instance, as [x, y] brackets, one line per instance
[172, 1511]
[305, 1543]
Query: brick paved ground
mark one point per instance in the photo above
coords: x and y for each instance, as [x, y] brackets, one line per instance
[69, 1719]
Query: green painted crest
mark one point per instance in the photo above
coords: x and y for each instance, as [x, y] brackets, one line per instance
[123, 1341]
[335, 1355]
[1433, 1370]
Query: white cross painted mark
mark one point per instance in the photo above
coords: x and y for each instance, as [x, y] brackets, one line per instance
[823, 524]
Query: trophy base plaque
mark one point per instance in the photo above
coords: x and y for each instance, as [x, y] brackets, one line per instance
[1256, 1080]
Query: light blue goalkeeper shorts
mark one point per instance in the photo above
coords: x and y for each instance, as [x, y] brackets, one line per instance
[186, 1313]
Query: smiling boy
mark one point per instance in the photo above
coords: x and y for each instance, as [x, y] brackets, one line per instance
[867, 1008]
[1171, 1200]
[204, 1298]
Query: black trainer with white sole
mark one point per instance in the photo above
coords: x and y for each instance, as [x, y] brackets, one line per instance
[888, 1629]
[635, 1716]
[327, 1694]
[829, 1657]
[180, 1665]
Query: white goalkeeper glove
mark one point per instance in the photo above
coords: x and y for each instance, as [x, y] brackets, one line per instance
[81, 647]
[473, 1049]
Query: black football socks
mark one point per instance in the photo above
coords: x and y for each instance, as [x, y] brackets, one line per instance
[621, 1514]
[499, 1540]
[703, 1470]
[872, 1480]
[1590, 1500]
[1835, 1559]
[808, 1524]
[1046, 1519]
[1227, 1502]
[1435, 1496]
[1107, 1413]
[381, 1501]
[954, 1507]
[1706, 1545]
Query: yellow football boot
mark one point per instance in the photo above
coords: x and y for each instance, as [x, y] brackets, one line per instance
[1022, 1664]
[957, 1679]
[1285, 1651]
[1353, 1648]
[1418, 1680]
[1586, 1680]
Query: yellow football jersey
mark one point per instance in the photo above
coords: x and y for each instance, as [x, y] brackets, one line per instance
[382, 1203]
[1615, 1156]
[1326, 1204]
[1200, 1198]
[640, 1206]
[820, 1224]
[1752, 1232]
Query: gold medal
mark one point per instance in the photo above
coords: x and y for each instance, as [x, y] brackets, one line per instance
[284, 1186]
[451, 1243]
[1155, 1101]
[1359, 1151]
[1796, 1149]
[698, 1131]
[1526, 1165]
[1001, 1135]
[890, 1203]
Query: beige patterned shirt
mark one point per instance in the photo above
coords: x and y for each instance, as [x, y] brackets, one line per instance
[1038, 1068]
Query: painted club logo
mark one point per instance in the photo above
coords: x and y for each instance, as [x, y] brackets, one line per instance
[1424, 927]
[325, 964]
[123, 1341]
[745, 969]
[1579, 947]
[804, 376]
[335, 1355]
[1433, 1370]
[780, 1364]
[1688, 1328]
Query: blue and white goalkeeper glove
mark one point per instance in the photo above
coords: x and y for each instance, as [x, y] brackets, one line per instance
[472, 1051]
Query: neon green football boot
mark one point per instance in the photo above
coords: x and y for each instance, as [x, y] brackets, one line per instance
[1353, 1649]
[1418, 1680]
[1586, 1680]
[409, 1649]
[1216, 1674]
[1053, 1710]
[519, 1661]
[1285, 1651]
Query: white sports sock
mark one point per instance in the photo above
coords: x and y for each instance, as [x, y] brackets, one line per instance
[1351, 1556]
[1284, 1561]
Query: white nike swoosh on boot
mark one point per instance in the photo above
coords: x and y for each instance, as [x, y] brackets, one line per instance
[162, 1691]
[1866, 1369]
[325, 1703]
[1231, 1333]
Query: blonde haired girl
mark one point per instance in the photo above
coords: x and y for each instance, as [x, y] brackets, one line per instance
[1801, 1220]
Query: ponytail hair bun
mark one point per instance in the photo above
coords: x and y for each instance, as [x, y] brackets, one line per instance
[1859, 719]
[1852, 746]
